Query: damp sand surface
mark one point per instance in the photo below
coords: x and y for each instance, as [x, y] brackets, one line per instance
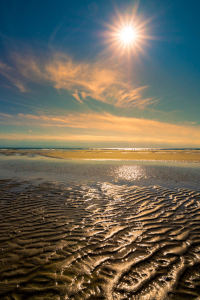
[111, 154]
[99, 239]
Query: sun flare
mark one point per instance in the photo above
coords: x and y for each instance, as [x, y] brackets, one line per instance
[128, 35]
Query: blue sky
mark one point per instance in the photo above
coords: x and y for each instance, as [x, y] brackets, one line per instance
[67, 80]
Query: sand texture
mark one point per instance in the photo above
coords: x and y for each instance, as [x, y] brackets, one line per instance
[155, 155]
[98, 242]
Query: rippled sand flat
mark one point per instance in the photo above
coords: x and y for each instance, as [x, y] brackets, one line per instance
[100, 241]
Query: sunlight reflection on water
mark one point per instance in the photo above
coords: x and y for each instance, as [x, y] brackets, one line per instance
[130, 172]
[143, 173]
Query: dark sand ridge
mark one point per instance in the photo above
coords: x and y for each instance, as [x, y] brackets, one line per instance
[99, 241]
[155, 155]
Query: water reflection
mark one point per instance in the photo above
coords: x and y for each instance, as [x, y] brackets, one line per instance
[143, 173]
[130, 172]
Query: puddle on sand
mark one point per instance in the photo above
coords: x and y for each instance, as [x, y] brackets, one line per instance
[98, 241]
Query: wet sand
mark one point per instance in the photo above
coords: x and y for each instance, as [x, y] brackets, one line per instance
[98, 241]
[154, 155]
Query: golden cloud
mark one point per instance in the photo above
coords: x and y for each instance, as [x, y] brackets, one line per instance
[107, 127]
[99, 80]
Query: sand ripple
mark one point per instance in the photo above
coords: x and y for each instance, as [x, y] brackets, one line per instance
[99, 241]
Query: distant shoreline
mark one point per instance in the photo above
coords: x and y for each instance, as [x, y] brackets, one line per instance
[112, 154]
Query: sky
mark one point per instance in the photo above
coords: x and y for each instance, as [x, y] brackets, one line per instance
[104, 73]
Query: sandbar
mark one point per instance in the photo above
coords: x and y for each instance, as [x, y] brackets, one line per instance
[112, 154]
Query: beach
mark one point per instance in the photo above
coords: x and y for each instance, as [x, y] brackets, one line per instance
[79, 229]
[100, 150]
[187, 155]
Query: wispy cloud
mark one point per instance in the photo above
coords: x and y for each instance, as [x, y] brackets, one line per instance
[106, 127]
[189, 123]
[11, 74]
[99, 80]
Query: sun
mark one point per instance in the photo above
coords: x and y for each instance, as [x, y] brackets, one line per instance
[128, 35]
